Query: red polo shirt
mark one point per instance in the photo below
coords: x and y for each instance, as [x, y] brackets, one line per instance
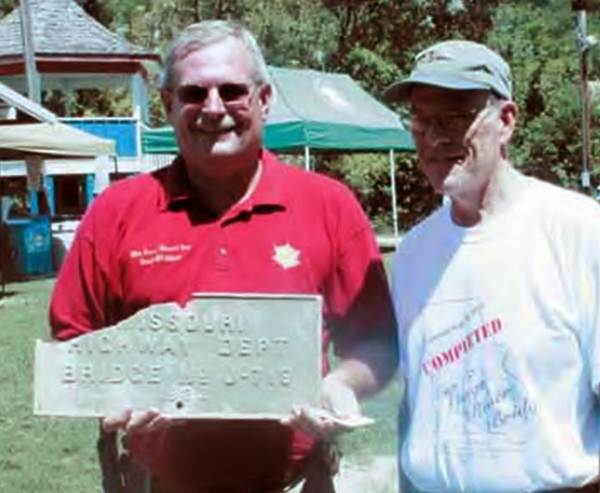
[146, 241]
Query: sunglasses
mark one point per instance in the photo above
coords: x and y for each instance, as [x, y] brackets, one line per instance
[450, 123]
[231, 94]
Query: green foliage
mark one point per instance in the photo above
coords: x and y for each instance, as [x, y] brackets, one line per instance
[397, 30]
[293, 33]
[538, 40]
[89, 102]
[372, 70]
[375, 41]
[369, 177]
[6, 6]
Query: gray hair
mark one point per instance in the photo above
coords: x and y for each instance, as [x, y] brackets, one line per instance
[205, 33]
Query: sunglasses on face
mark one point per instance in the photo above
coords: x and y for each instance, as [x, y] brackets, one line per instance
[231, 94]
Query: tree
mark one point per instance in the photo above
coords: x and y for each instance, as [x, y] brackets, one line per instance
[375, 41]
[293, 33]
[538, 40]
[6, 6]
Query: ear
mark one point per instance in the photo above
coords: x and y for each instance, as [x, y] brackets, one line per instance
[508, 119]
[166, 97]
[264, 100]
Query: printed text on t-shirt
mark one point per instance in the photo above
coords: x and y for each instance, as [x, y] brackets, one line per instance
[457, 350]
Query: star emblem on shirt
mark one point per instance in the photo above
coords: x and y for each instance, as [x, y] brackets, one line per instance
[286, 256]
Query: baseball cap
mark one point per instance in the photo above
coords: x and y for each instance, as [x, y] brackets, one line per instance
[456, 64]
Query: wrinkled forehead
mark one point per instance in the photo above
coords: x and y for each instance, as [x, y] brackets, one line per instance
[432, 99]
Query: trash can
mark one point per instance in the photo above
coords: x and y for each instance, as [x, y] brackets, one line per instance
[32, 240]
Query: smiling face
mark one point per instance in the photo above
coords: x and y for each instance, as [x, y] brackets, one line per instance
[217, 108]
[460, 138]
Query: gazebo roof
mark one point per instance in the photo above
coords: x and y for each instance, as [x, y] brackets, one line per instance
[62, 28]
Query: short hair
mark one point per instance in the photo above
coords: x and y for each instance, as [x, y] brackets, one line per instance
[206, 33]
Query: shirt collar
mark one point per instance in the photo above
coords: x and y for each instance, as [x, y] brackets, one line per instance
[268, 191]
[177, 186]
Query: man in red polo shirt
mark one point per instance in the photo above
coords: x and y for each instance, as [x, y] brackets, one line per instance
[227, 216]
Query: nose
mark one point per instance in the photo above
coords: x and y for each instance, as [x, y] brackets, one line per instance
[214, 104]
[434, 134]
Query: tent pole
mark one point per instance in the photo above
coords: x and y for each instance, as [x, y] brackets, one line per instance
[306, 158]
[393, 184]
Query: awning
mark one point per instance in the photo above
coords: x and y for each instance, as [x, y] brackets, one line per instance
[54, 139]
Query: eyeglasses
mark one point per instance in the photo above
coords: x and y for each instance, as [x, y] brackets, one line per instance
[231, 94]
[449, 123]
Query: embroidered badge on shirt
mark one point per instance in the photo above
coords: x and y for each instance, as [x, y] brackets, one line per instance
[286, 256]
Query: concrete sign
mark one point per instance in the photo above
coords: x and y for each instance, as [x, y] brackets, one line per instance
[220, 356]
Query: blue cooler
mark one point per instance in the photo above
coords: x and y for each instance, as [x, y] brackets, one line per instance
[32, 239]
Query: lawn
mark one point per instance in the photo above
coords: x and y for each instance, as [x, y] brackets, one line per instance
[36, 454]
[50, 455]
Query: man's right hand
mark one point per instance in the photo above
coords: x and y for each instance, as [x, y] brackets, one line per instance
[132, 422]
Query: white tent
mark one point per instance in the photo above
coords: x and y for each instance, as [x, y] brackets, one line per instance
[29, 128]
[53, 139]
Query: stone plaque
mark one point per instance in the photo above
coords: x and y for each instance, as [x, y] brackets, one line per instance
[220, 356]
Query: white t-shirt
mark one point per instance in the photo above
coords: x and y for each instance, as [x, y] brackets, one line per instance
[500, 346]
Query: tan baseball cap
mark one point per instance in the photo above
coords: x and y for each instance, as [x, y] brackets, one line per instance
[459, 65]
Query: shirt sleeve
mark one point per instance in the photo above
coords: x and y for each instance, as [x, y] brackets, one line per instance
[85, 290]
[585, 279]
[358, 298]
[397, 299]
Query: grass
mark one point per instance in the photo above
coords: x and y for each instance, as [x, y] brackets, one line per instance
[379, 438]
[58, 455]
[36, 454]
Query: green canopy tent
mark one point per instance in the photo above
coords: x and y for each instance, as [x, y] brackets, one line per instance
[312, 110]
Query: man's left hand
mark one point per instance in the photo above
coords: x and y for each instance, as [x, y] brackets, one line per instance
[340, 411]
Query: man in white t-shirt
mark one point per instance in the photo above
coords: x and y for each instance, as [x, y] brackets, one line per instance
[496, 295]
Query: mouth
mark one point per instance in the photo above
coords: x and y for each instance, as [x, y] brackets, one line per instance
[220, 130]
[214, 126]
